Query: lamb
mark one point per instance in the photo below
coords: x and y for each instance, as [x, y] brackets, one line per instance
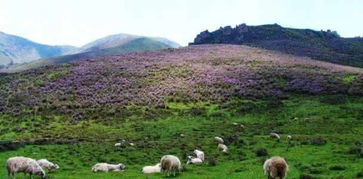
[223, 148]
[44, 163]
[219, 140]
[151, 169]
[105, 167]
[121, 143]
[275, 135]
[193, 160]
[199, 154]
[275, 167]
[24, 165]
[170, 164]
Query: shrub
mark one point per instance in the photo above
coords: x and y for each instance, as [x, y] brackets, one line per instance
[317, 141]
[261, 152]
[337, 167]
[306, 176]
[212, 161]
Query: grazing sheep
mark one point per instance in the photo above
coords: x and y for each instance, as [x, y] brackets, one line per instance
[118, 144]
[132, 144]
[193, 160]
[44, 163]
[170, 164]
[105, 167]
[219, 140]
[275, 135]
[223, 148]
[199, 154]
[24, 165]
[288, 137]
[151, 169]
[275, 167]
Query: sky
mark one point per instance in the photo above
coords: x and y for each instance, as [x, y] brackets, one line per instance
[77, 22]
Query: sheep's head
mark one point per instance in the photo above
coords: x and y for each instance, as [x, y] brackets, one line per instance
[122, 166]
[189, 160]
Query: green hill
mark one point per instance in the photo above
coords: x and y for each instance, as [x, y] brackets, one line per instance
[172, 101]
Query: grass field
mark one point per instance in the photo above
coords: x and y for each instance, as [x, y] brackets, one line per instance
[327, 133]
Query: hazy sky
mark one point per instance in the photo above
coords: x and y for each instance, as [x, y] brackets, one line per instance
[76, 22]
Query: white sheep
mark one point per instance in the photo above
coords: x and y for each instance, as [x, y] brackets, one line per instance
[275, 135]
[219, 140]
[44, 163]
[223, 148]
[288, 137]
[194, 160]
[105, 167]
[170, 164]
[24, 165]
[151, 169]
[118, 144]
[199, 154]
[275, 167]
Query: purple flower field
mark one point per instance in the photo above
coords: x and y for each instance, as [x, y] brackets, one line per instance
[210, 73]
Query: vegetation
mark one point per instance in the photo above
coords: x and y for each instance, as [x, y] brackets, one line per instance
[73, 114]
[320, 45]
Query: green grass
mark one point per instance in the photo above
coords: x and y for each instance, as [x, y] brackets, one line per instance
[156, 131]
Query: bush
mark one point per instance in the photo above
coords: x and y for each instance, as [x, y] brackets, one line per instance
[212, 162]
[261, 152]
[337, 167]
[356, 150]
[318, 141]
[360, 174]
[306, 176]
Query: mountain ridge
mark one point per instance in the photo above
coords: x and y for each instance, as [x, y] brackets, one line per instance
[319, 45]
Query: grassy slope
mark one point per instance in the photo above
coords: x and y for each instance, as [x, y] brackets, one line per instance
[340, 124]
[156, 130]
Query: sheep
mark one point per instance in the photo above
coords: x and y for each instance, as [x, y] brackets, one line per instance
[151, 169]
[24, 165]
[288, 137]
[105, 167]
[170, 164]
[223, 148]
[199, 154]
[275, 135]
[121, 143]
[219, 140]
[131, 144]
[275, 167]
[193, 160]
[44, 163]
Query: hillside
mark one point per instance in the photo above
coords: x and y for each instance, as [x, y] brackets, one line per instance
[172, 101]
[14, 49]
[320, 45]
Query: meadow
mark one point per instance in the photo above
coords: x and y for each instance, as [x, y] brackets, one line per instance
[327, 139]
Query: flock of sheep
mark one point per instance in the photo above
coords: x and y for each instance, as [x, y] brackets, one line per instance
[275, 167]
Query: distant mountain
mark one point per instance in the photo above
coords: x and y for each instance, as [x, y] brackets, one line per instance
[320, 45]
[118, 40]
[129, 45]
[26, 54]
[98, 48]
[17, 50]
